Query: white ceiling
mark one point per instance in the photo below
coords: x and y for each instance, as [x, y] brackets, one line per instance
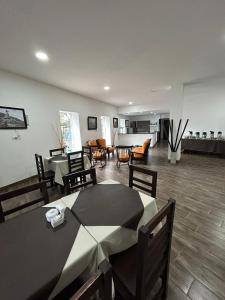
[132, 45]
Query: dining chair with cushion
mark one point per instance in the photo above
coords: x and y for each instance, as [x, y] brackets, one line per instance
[100, 282]
[140, 153]
[109, 149]
[143, 270]
[123, 154]
[75, 161]
[79, 179]
[58, 151]
[148, 186]
[22, 191]
[47, 176]
[98, 154]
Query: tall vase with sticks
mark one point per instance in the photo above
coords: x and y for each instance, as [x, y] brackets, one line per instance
[174, 144]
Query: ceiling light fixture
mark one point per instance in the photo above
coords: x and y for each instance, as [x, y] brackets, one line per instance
[107, 88]
[42, 56]
[130, 102]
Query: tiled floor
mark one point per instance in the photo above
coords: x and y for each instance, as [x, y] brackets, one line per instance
[198, 251]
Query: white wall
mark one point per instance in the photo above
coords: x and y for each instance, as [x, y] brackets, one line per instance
[42, 104]
[204, 105]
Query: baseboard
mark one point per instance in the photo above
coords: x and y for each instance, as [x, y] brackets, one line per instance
[6, 187]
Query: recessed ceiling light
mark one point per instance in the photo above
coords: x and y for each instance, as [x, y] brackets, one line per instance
[130, 102]
[42, 56]
[107, 88]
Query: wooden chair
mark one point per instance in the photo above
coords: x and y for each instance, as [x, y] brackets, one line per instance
[47, 176]
[58, 151]
[87, 151]
[138, 271]
[75, 161]
[123, 154]
[78, 180]
[147, 186]
[98, 154]
[140, 153]
[109, 149]
[6, 196]
[100, 282]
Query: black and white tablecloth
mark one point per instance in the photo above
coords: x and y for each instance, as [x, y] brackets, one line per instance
[112, 213]
[37, 261]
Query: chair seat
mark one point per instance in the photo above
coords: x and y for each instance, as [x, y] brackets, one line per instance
[124, 157]
[138, 155]
[97, 154]
[124, 266]
[49, 174]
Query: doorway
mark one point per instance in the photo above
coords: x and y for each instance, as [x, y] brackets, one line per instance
[106, 129]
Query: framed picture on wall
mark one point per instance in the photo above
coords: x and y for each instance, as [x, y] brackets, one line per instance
[92, 123]
[12, 118]
[126, 123]
[115, 122]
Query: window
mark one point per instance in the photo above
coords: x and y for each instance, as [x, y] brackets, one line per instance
[106, 130]
[70, 128]
[122, 126]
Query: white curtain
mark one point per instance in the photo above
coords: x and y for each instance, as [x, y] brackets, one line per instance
[75, 131]
[106, 130]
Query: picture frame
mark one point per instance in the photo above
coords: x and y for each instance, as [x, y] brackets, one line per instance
[92, 123]
[115, 122]
[127, 123]
[12, 118]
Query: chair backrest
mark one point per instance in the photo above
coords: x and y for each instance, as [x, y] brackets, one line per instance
[79, 179]
[6, 196]
[154, 246]
[146, 145]
[100, 282]
[147, 186]
[92, 143]
[87, 151]
[75, 161]
[57, 151]
[40, 166]
[101, 143]
[123, 150]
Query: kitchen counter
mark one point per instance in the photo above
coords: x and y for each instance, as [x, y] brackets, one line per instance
[130, 139]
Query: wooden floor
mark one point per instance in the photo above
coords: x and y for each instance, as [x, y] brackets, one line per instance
[197, 183]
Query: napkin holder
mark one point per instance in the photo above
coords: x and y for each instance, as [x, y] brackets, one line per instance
[56, 215]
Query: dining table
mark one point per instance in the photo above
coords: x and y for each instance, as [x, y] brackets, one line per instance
[59, 164]
[38, 261]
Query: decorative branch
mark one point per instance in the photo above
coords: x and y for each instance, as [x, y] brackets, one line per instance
[58, 134]
[178, 131]
[182, 135]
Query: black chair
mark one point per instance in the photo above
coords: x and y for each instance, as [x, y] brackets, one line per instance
[79, 179]
[147, 186]
[75, 161]
[58, 151]
[138, 271]
[87, 150]
[6, 196]
[101, 283]
[47, 176]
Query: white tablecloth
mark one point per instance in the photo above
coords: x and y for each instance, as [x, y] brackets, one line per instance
[114, 239]
[60, 167]
[82, 257]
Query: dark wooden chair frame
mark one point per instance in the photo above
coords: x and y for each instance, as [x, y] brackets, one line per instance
[61, 150]
[149, 187]
[100, 282]
[78, 180]
[144, 157]
[153, 256]
[6, 196]
[42, 175]
[125, 148]
[75, 164]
